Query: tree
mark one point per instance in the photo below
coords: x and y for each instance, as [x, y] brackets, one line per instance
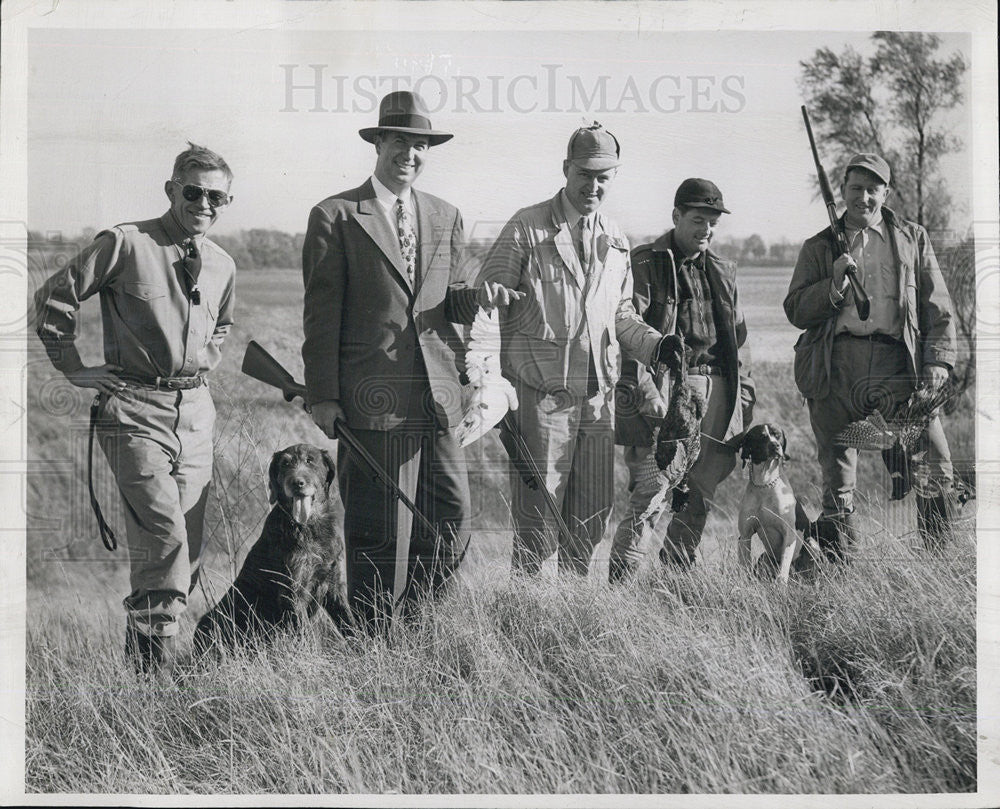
[890, 103]
[754, 247]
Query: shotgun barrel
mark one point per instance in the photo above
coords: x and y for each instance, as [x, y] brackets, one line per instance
[861, 299]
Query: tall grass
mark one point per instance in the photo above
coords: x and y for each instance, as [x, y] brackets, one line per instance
[708, 682]
[863, 681]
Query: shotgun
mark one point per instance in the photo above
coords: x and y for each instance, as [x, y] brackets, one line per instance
[861, 299]
[515, 446]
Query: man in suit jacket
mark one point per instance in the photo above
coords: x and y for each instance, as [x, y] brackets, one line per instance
[381, 351]
[559, 347]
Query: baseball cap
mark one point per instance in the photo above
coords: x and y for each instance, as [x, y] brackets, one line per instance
[695, 192]
[593, 148]
[870, 162]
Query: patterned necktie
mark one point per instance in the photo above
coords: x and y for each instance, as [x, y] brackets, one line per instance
[407, 241]
[585, 239]
[192, 269]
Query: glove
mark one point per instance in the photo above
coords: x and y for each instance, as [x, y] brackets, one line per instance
[670, 352]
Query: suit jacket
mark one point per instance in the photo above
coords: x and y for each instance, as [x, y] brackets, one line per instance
[655, 298]
[388, 352]
[535, 253]
[928, 328]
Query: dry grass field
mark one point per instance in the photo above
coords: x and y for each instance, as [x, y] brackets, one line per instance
[863, 681]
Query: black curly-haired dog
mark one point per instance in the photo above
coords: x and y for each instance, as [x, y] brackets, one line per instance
[296, 566]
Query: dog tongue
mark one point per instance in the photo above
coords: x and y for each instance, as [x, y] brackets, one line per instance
[301, 509]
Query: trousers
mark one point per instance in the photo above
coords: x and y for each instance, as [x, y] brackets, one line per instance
[572, 440]
[428, 466]
[159, 447]
[715, 462]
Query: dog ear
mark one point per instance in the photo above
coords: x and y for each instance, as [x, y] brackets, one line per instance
[331, 469]
[738, 444]
[779, 435]
[274, 487]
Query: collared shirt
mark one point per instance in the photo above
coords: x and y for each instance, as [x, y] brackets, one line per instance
[151, 325]
[879, 276]
[574, 220]
[695, 313]
[387, 202]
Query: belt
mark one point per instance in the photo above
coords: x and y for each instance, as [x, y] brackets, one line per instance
[872, 338]
[705, 370]
[163, 382]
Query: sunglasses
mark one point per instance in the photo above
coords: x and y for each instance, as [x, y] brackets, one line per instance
[193, 193]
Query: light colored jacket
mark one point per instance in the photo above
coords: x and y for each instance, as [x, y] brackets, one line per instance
[535, 253]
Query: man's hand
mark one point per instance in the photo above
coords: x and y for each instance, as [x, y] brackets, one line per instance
[493, 294]
[102, 378]
[670, 351]
[935, 376]
[840, 272]
[325, 414]
[654, 408]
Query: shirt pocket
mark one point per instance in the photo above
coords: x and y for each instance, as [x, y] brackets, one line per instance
[143, 305]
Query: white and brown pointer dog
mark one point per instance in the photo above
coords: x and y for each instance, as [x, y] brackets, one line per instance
[770, 509]
[297, 565]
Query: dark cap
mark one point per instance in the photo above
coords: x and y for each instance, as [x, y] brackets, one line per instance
[698, 193]
[593, 148]
[870, 162]
[405, 112]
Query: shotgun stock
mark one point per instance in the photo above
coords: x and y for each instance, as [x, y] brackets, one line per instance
[265, 368]
[861, 299]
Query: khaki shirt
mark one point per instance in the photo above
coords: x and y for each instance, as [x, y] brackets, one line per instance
[880, 277]
[151, 327]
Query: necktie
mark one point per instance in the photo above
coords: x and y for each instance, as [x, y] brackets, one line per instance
[585, 239]
[192, 269]
[407, 241]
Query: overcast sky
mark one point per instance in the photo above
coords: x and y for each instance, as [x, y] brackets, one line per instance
[108, 110]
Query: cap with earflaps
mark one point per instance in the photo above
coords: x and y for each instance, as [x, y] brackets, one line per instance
[404, 111]
[695, 192]
[593, 148]
[870, 162]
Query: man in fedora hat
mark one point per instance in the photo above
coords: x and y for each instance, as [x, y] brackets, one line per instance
[559, 348]
[908, 339]
[380, 266]
[682, 287]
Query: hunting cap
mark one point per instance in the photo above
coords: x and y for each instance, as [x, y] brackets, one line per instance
[869, 162]
[695, 192]
[593, 148]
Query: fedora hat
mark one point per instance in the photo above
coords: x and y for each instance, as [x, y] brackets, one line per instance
[404, 111]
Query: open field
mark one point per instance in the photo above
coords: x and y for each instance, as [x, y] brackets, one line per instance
[861, 682]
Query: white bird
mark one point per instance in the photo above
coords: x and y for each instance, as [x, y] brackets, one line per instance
[488, 396]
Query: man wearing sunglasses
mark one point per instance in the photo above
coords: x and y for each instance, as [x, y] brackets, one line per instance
[167, 297]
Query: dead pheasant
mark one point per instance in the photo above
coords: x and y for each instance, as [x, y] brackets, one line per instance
[678, 433]
[898, 435]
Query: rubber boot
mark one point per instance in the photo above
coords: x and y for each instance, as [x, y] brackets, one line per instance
[837, 535]
[621, 570]
[676, 556]
[934, 521]
[149, 653]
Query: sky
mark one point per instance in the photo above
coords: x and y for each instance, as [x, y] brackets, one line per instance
[108, 110]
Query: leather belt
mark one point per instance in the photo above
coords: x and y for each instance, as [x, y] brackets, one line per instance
[872, 338]
[705, 370]
[163, 382]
